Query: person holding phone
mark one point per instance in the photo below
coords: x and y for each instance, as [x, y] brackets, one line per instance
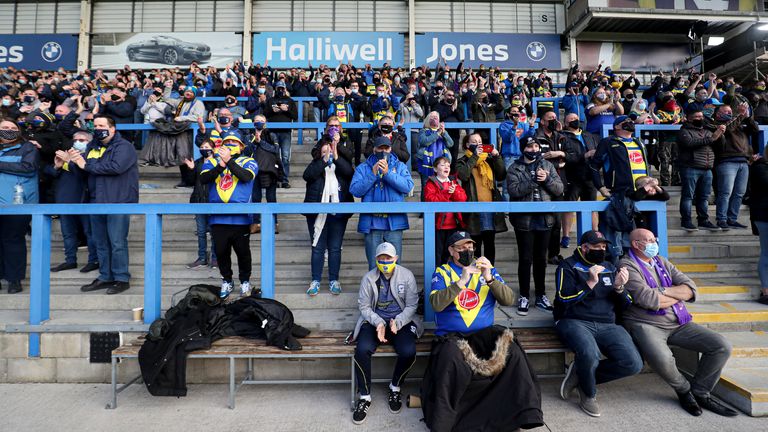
[588, 288]
[479, 171]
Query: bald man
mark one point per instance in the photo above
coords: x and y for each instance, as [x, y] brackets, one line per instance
[658, 318]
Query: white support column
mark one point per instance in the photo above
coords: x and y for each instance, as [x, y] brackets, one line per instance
[84, 38]
[247, 25]
[573, 54]
[411, 34]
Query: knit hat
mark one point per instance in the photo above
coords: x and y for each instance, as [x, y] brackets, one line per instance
[191, 89]
[233, 135]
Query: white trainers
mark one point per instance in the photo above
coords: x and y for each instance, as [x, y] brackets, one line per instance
[226, 288]
[245, 288]
[522, 306]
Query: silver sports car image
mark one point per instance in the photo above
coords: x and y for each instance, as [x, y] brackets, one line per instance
[168, 50]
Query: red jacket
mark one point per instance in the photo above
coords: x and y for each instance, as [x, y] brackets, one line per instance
[435, 191]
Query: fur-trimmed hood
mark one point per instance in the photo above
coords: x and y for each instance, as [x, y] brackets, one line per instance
[498, 359]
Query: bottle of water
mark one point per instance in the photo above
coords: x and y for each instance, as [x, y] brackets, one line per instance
[18, 194]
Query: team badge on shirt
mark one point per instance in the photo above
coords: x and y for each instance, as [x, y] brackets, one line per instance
[468, 299]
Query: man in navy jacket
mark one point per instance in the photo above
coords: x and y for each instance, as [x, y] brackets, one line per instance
[113, 177]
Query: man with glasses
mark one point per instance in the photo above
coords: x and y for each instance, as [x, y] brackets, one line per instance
[475, 367]
[658, 318]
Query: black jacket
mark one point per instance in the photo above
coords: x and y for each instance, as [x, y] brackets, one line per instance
[459, 396]
[192, 177]
[267, 156]
[193, 324]
[610, 165]
[758, 181]
[576, 167]
[281, 116]
[695, 147]
[523, 187]
[314, 175]
[261, 318]
[399, 143]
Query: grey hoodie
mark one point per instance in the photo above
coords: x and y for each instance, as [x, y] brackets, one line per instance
[404, 291]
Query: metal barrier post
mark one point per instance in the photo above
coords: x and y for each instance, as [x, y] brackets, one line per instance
[583, 223]
[267, 251]
[195, 130]
[153, 266]
[39, 278]
[429, 262]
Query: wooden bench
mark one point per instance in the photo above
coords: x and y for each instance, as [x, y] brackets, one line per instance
[319, 344]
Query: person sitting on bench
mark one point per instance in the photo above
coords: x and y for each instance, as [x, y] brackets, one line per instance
[388, 300]
[478, 377]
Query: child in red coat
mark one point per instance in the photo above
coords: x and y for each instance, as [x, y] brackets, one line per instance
[444, 188]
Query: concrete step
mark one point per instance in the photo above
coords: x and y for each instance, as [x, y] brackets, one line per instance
[734, 315]
[744, 380]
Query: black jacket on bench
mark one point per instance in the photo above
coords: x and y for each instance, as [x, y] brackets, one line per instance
[199, 320]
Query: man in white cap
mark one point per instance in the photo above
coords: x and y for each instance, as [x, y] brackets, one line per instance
[388, 300]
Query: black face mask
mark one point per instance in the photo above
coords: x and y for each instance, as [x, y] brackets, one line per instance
[532, 156]
[386, 129]
[629, 97]
[627, 126]
[697, 123]
[280, 92]
[472, 148]
[206, 153]
[574, 124]
[552, 125]
[465, 257]
[115, 97]
[595, 256]
[158, 94]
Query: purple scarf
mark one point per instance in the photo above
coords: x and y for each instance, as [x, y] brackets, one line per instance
[681, 312]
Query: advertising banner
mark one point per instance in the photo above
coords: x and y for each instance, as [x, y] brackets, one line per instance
[38, 51]
[291, 49]
[645, 57]
[159, 50]
[506, 50]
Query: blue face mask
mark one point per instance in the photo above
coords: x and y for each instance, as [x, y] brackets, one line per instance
[708, 112]
[651, 250]
[259, 125]
[79, 146]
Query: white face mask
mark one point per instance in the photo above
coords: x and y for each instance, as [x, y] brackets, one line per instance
[382, 94]
[79, 145]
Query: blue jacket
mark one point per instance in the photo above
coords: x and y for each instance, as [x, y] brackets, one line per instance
[511, 136]
[390, 188]
[113, 172]
[18, 165]
[71, 184]
[576, 104]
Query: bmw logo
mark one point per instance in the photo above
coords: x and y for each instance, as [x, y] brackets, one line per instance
[536, 51]
[51, 52]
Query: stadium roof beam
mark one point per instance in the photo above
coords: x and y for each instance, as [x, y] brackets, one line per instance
[648, 21]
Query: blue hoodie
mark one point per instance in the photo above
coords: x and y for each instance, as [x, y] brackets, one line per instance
[19, 165]
[391, 187]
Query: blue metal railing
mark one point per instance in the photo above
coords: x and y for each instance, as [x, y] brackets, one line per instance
[40, 283]
[320, 126]
[762, 135]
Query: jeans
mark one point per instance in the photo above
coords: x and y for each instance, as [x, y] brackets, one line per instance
[330, 239]
[508, 161]
[697, 185]
[404, 343]
[588, 340]
[376, 237]
[70, 225]
[762, 263]
[316, 117]
[111, 235]
[732, 180]
[283, 139]
[532, 252]
[653, 342]
[13, 247]
[271, 194]
[202, 238]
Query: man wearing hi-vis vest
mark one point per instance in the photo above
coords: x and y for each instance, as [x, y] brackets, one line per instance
[475, 367]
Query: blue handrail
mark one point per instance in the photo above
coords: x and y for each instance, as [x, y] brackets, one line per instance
[320, 126]
[41, 237]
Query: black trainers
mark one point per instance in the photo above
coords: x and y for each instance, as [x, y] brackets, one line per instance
[89, 267]
[763, 299]
[361, 411]
[286, 185]
[14, 287]
[97, 284]
[688, 402]
[395, 400]
[707, 225]
[688, 226]
[715, 406]
[737, 225]
[63, 266]
[118, 287]
[522, 306]
[542, 302]
[723, 225]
